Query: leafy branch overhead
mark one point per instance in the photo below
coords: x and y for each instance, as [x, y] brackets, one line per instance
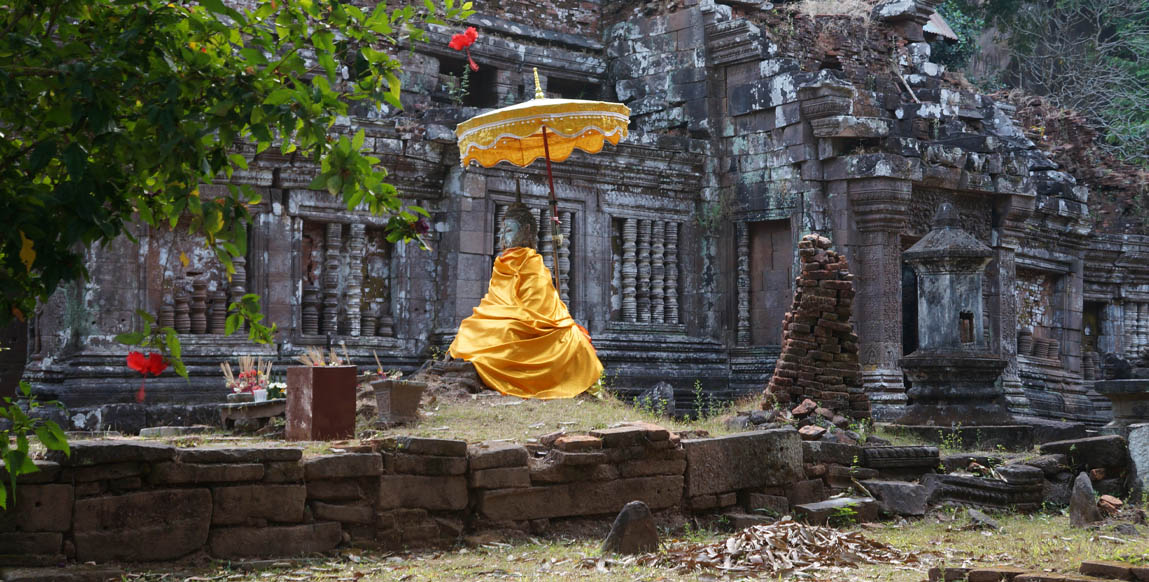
[112, 112]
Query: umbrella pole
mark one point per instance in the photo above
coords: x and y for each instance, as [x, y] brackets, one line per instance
[554, 210]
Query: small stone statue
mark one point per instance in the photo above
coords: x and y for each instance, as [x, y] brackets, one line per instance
[519, 228]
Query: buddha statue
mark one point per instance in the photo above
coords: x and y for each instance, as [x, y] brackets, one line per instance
[521, 338]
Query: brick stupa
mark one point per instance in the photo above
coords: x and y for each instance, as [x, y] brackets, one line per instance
[819, 358]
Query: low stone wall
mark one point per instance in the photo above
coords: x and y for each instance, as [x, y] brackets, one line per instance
[120, 500]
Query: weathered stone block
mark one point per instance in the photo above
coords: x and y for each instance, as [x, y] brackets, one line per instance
[576, 443]
[342, 466]
[283, 472]
[742, 461]
[240, 455]
[241, 504]
[424, 464]
[144, 526]
[335, 490]
[104, 472]
[21, 544]
[425, 446]
[864, 508]
[422, 491]
[46, 473]
[900, 497]
[574, 459]
[542, 471]
[343, 513]
[88, 453]
[766, 504]
[500, 478]
[496, 454]
[583, 498]
[1109, 451]
[188, 473]
[288, 540]
[38, 508]
[827, 452]
[647, 467]
[623, 436]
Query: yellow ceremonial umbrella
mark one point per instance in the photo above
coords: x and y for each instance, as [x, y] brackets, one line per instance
[541, 128]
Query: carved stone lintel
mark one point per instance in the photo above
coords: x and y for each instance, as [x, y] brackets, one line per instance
[671, 286]
[643, 295]
[742, 236]
[629, 270]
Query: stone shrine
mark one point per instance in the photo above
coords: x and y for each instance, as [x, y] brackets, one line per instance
[753, 125]
[953, 372]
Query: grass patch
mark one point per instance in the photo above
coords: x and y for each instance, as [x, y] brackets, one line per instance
[490, 416]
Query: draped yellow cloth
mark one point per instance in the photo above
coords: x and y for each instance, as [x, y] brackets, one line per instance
[521, 338]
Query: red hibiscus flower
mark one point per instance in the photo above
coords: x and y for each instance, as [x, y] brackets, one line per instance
[463, 42]
[153, 364]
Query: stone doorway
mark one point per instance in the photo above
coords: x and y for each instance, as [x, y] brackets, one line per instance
[771, 273]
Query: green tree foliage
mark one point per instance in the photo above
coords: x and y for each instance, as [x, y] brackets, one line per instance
[14, 440]
[967, 24]
[114, 111]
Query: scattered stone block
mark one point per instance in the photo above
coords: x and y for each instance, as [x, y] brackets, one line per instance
[811, 432]
[900, 497]
[808, 491]
[1082, 505]
[575, 459]
[433, 493]
[491, 455]
[142, 526]
[738, 521]
[994, 574]
[575, 443]
[766, 505]
[1109, 451]
[1107, 569]
[287, 540]
[950, 574]
[633, 531]
[38, 508]
[1109, 505]
[241, 504]
[500, 478]
[343, 466]
[823, 512]
[622, 436]
[826, 452]
[742, 461]
[425, 446]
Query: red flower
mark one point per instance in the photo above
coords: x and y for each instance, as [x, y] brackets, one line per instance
[138, 362]
[463, 42]
[156, 364]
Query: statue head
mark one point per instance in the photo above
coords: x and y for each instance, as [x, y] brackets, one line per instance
[519, 229]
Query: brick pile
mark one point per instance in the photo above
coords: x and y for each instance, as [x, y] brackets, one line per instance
[819, 358]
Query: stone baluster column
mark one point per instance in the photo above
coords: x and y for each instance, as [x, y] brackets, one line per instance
[742, 237]
[356, 245]
[657, 271]
[547, 241]
[644, 271]
[1001, 279]
[1142, 328]
[671, 286]
[880, 210]
[629, 270]
[333, 244]
[565, 229]
[198, 307]
[500, 213]
[1130, 331]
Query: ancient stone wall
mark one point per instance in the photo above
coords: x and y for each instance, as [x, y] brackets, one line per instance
[138, 501]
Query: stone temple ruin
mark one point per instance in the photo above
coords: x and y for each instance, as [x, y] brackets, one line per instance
[751, 128]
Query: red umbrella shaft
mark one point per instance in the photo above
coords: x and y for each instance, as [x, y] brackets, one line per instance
[554, 209]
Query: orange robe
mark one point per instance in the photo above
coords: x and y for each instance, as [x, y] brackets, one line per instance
[521, 338]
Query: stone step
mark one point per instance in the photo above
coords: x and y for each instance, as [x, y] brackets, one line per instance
[1115, 570]
[1091, 571]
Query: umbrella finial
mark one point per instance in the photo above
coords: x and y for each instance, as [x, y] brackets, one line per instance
[538, 86]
